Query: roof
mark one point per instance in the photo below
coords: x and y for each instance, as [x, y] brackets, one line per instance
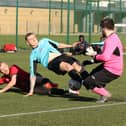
[57, 4]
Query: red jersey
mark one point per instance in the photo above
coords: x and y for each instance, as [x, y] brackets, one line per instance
[22, 77]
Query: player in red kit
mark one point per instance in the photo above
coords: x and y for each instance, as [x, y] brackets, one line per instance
[14, 76]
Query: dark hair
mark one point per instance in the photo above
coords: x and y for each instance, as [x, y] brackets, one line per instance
[107, 23]
[81, 36]
[28, 34]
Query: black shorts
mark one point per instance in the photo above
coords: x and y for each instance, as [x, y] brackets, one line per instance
[99, 77]
[40, 82]
[54, 65]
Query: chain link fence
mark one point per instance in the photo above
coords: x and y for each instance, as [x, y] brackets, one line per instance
[59, 17]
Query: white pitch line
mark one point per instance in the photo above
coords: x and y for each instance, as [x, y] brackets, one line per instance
[62, 110]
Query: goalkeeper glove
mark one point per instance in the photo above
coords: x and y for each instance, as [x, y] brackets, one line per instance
[90, 51]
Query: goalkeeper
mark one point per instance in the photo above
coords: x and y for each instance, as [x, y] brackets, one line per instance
[111, 58]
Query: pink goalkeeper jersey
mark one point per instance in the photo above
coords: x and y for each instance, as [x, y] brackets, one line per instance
[112, 62]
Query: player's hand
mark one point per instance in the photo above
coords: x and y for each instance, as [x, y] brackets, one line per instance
[90, 51]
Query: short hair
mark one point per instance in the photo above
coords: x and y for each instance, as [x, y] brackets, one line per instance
[107, 23]
[28, 34]
[81, 36]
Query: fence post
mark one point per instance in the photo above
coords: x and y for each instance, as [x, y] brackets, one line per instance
[98, 14]
[120, 5]
[74, 15]
[68, 21]
[49, 25]
[109, 7]
[61, 20]
[86, 20]
[90, 21]
[17, 6]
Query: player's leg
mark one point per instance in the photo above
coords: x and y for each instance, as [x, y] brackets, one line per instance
[74, 75]
[45, 82]
[45, 86]
[97, 69]
[64, 66]
[74, 64]
[41, 90]
[84, 74]
[75, 71]
[40, 85]
[98, 80]
[57, 91]
[49, 91]
[94, 85]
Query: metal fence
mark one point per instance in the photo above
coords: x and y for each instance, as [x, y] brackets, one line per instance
[59, 17]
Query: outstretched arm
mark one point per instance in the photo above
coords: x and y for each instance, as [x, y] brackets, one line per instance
[62, 45]
[76, 43]
[32, 85]
[33, 69]
[9, 85]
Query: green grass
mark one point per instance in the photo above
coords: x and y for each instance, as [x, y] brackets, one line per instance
[60, 38]
[13, 102]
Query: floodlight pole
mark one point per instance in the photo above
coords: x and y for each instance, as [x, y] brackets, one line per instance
[68, 20]
[17, 5]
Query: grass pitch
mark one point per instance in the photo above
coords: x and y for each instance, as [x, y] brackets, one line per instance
[13, 102]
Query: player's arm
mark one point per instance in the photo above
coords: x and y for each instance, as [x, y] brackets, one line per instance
[59, 45]
[33, 69]
[107, 51]
[10, 84]
[62, 45]
[75, 44]
[32, 85]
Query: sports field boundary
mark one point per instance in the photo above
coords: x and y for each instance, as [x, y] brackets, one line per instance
[63, 109]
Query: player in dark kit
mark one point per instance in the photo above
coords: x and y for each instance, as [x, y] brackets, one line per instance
[80, 47]
[14, 76]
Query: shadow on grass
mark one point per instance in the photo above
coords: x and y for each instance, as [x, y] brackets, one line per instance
[83, 99]
[70, 97]
[76, 98]
[113, 99]
[16, 90]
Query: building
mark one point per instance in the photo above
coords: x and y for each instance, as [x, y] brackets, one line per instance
[51, 16]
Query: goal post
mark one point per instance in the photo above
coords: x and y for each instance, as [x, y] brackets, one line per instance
[120, 28]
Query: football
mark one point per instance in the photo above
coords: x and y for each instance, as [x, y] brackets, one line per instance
[74, 85]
